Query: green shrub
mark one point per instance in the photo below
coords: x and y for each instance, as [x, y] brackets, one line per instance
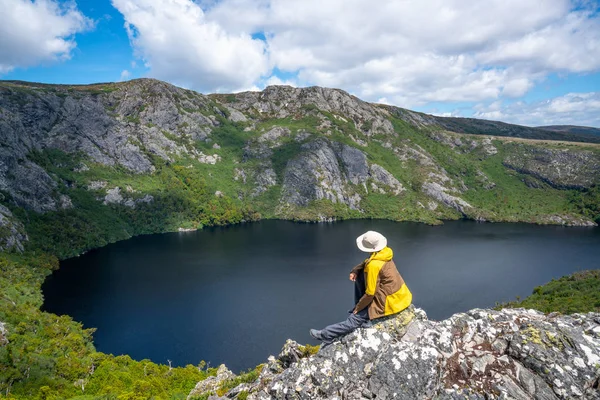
[576, 293]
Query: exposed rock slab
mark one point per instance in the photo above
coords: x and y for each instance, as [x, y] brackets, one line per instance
[333, 171]
[314, 175]
[481, 354]
[119, 126]
[560, 168]
[286, 101]
[12, 232]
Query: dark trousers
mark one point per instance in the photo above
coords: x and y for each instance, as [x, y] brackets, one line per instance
[353, 321]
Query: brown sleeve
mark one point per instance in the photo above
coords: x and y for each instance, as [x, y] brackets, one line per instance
[363, 302]
[358, 268]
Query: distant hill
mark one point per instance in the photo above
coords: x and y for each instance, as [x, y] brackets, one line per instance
[475, 126]
[497, 128]
[579, 130]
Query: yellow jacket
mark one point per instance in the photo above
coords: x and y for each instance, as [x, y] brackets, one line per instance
[385, 291]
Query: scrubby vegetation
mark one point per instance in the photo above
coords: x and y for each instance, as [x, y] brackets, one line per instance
[576, 293]
[53, 357]
[182, 197]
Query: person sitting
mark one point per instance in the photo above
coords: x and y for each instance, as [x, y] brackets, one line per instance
[379, 289]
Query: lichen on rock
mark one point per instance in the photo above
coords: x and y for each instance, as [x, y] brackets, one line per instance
[480, 354]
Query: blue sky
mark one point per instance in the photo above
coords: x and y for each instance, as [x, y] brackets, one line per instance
[532, 62]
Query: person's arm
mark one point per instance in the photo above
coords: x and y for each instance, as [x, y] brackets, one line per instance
[359, 269]
[371, 285]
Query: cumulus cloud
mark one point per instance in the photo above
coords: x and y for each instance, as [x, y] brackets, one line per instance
[125, 74]
[38, 31]
[570, 109]
[407, 52]
[180, 44]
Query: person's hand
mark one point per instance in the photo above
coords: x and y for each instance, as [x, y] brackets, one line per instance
[354, 312]
[353, 276]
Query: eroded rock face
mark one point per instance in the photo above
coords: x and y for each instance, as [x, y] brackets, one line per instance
[481, 354]
[28, 184]
[12, 232]
[440, 193]
[316, 175]
[336, 172]
[438, 184]
[120, 126]
[562, 169]
[285, 101]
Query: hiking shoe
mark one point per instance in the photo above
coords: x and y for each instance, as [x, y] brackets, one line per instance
[315, 334]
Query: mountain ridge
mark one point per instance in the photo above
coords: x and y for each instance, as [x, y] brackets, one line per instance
[453, 124]
[577, 129]
[294, 153]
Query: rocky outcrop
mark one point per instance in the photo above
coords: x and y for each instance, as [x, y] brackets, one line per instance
[27, 184]
[380, 177]
[3, 335]
[316, 174]
[480, 354]
[440, 193]
[464, 143]
[113, 124]
[115, 196]
[562, 169]
[336, 172]
[212, 383]
[274, 136]
[12, 233]
[437, 183]
[566, 220]
[286, 101]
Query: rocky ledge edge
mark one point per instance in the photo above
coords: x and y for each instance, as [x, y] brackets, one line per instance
[480, 354]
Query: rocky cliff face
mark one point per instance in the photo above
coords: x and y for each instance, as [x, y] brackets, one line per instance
[114, 125]
[12, 233]
[335, 172]
[280, 102]
[481, 354]
[563, 169]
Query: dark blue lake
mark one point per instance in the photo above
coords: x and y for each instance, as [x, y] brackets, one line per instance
[234, 295]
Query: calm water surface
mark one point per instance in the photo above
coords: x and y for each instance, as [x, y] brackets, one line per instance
[234, 295]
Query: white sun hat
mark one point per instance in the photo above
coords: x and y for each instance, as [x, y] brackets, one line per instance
[371, 242]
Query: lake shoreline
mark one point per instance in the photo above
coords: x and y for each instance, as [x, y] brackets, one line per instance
[429, 259]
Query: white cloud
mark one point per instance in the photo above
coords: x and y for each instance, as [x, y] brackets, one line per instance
[179, 44]
[38, 31]
[275, 80]
[125, 75]
[408, 52]
[570, 109]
